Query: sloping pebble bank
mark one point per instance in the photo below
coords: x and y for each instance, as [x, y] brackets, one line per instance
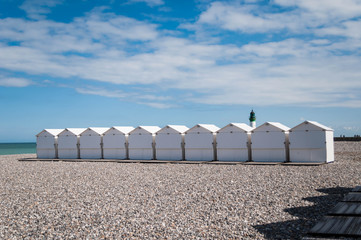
[104, 200]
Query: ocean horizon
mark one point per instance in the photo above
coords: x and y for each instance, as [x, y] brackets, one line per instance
[17, 148]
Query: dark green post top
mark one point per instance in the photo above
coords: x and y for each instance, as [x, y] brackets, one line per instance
[252, 116]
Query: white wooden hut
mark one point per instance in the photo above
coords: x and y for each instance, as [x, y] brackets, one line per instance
[141, 143]
[233, 142]
[115, 141]
[46, 143]
[311, 142]
[269, 142]
[169, 142]
[68, 143]
[199, 143]
[90, 143]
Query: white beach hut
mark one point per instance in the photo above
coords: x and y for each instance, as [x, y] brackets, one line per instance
[141, 143]
[270, 142]
[169, 142]
[233, 142]
[46, 143]
[199, 143]
[115, 141]
[68, 143]
[90, 143]
[311, 142]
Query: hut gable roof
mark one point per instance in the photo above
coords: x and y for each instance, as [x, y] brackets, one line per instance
[74, 131]
[241, 126]
[271, 126]
[174, 128]
[98, 130]
[53, 132]
[123, 129]
[310, 126]
[148, 129]
[207, 127]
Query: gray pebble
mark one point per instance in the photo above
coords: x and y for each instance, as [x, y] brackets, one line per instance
[85, 200]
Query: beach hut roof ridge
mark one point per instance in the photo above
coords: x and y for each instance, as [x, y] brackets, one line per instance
[75, 131]
[99, 130]
[275, 124]
[150, 129]
[122, 129]
[53, 132]
[178, 128]
[314, 123]
[241, 126]
[210, 127]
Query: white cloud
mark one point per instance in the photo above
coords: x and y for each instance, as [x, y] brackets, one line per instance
[101, 92]
[238, 18]
[305, 16]
[101, 26]
[36, 9]
[124, 51]
[304, 75]
[150, 3]
[288, 47]
[158, 105]
[140, 98]
[15, 82]
[32, 61]
[347, 29]
[351, 128]
[326, 9]
[89, 34]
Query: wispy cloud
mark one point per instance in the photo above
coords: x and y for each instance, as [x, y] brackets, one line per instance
[37, 9]
[297, 17]
[15, 82]
[141, 98]
[102, 92]
[353, 128]
[150, 3]
[158, 105]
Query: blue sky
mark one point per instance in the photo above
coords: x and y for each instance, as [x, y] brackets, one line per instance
[158, 62]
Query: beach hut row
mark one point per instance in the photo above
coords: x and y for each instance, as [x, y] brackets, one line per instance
[271, 142]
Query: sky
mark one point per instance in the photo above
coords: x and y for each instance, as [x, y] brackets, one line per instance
[157, 62]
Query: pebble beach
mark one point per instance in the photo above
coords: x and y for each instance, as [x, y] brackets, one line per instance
[108, 200]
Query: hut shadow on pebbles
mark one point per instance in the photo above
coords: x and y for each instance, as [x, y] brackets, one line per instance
[307, 216]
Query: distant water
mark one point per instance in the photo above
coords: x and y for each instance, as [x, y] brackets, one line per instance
[17, 148]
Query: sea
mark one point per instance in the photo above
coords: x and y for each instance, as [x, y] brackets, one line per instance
[17, 148]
